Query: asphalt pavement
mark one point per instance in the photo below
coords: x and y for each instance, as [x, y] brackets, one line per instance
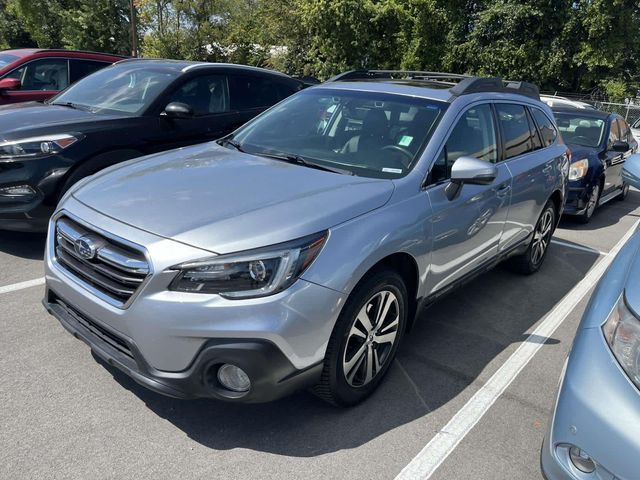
[65, 415]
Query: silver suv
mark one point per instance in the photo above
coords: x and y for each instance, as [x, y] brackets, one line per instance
[297, 251]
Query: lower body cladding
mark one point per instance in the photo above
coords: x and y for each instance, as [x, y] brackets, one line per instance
[595, 431]
[191, 345]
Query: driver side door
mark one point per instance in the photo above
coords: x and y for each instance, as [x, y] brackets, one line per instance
[467, 230]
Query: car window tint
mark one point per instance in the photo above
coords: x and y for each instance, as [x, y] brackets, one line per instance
[44, 74]
[473, 136]
[206, 94]
[249, 92]
[82, 68]
[515, 128]
[545, 126]
[535, 136]
[614, 133]
[625, 131]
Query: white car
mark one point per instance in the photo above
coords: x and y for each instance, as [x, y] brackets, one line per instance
[555, 101]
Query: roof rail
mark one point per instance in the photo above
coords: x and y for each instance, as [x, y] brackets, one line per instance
[460, 84]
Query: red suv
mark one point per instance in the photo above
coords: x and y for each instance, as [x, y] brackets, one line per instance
[34, 74]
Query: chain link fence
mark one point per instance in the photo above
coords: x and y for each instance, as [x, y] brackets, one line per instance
[631, 113]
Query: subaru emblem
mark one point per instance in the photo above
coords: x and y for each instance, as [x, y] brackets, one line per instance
[86, 247]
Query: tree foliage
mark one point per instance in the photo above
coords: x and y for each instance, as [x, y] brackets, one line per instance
[577, 45]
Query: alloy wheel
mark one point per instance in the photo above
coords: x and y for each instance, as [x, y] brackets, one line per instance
[371, 338]
[542, 236]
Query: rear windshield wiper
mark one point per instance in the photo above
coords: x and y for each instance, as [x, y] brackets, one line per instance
[299, 160]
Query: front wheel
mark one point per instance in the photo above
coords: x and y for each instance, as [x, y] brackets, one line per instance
[364, 340]
[531, 260]
[594, 199]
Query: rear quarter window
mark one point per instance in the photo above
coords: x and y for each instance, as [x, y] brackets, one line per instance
[545, 126]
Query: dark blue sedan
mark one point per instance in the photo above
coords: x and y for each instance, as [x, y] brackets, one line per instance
[600, 143]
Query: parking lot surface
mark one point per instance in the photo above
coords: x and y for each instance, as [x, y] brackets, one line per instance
[65, 415]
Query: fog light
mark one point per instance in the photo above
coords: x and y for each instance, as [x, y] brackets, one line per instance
[581, 460]
[233, 378]
[17, 191]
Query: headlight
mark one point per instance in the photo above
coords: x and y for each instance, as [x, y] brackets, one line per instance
[254, 273]
[622, 332]
[35, 146]
[578, 169]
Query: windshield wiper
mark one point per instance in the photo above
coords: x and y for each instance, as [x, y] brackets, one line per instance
[75, 106]
[228, 140]
[299, 160]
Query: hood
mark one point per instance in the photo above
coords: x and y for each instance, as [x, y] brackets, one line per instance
[19, 119]
[225, 201]
[578, 152]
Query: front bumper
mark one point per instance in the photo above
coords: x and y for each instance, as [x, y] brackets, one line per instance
[577, 198]
[282, 338]
[272, 374]
[597, 410]
[44, 175]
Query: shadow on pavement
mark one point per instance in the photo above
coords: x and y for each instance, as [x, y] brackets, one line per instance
[448, 348]
[24, 245]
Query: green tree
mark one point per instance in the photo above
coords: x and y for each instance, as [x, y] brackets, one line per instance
[12, 31]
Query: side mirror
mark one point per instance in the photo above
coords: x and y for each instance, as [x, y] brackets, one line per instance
[631, 171]
[10, 84]
[620, 146]
[178, 110]
[472, 171]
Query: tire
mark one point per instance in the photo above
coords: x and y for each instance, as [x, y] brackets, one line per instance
[592, 204]
[355, 363]
[531, 260]
[623, 193]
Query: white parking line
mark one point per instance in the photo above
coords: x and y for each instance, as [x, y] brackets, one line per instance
[577, 247]
[447, 439]
[19, 286]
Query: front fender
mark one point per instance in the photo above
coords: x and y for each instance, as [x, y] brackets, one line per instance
[356, 246]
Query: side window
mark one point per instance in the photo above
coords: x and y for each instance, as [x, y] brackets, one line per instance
[515, 127]
[82, 68]
[474, 135]
[535, 137]
[614, 132]
[44, 74]
[625, 131]
[249, 92]
[547, 130]
[206, 94]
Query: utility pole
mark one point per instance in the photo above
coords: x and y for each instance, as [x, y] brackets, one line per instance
[134, 29]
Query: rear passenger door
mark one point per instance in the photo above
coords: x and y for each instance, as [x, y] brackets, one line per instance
[533, 168]
[467, 229]
[253, 94]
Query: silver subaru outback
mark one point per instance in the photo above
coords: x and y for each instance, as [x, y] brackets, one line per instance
[297, 251]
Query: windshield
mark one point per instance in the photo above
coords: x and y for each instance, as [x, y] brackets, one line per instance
[6, 59]
[366, 133]
[124, 89]
[581, 130]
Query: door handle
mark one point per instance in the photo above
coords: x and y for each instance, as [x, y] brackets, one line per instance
[547, 168]
[503, 191]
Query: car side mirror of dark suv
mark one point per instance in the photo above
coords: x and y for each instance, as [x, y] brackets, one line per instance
[10, 84]
[178, 110]
[472, 171]
[631, 171]
[620, 146]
